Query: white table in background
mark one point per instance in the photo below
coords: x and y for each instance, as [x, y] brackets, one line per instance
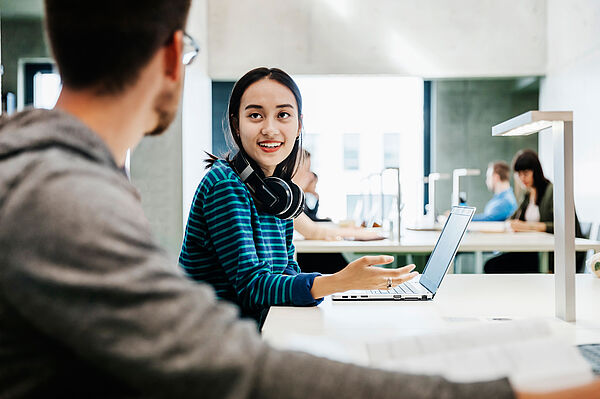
[424, 242]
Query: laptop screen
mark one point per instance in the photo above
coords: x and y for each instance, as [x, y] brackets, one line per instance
[446, 247]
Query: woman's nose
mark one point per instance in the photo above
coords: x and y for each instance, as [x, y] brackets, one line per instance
[269, 128]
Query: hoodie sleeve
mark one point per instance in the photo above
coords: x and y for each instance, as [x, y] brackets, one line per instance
[79, 264]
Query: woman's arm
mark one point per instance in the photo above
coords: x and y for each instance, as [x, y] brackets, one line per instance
[227, 210]
[520, 226]
[362, 274]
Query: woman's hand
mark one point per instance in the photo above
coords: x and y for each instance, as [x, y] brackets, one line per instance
[519, 225]
[362, 274]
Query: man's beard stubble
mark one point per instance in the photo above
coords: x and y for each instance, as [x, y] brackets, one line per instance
[165, 106]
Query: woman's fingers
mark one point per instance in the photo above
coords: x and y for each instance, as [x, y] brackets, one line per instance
[374, 260]
[404, 278]
[404, 269]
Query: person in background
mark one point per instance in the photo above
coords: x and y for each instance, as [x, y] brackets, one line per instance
[535, 213]
[307, 180]
[311, 227]
[237, 241]
[312, 230]
[503, 204]
[90, 305]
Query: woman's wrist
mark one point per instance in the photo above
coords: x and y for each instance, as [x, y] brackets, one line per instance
[326, 285]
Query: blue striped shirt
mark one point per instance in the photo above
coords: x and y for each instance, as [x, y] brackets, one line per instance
[246, 255]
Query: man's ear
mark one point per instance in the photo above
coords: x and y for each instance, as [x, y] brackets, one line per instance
[173, 57]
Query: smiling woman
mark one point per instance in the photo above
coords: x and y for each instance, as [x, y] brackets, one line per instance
[269, 123]
[239, 233]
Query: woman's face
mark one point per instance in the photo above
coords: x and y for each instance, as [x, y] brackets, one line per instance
[268, 123]
[526, 177]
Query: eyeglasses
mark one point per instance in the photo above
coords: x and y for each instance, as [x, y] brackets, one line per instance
[190, 49]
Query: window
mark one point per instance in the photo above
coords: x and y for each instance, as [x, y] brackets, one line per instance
[41, 72]
[46, 88]
[391, 150]
[364, 125]
[310, 142]
[351, 151]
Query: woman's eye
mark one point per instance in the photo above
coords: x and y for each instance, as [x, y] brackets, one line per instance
[284, 115]
[254, 115]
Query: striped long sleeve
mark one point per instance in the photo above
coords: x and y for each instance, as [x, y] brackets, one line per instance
[245, 254]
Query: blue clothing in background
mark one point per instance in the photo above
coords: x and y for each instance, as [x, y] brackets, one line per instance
[499, 208]
[246, 255]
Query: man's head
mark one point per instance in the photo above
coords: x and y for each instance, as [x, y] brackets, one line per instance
[103, 47]
[498, 172]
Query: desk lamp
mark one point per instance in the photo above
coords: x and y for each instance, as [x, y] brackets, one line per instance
[431, 179]
[564, 207]
[456, 175]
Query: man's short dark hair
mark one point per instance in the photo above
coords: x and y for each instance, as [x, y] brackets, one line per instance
[103, 45]
[502, 169]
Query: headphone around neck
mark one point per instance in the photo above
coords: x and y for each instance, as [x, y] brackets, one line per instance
[272, 195]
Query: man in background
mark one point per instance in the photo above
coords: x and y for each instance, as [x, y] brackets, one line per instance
[89, 304]
[503, 203]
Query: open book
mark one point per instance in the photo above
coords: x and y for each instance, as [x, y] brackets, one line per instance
[526, 351]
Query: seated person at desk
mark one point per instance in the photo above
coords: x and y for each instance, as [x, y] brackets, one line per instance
[307, 180]
[503, 203]
[535, 213]
[240, 241]
[310, 229]
[90, 306]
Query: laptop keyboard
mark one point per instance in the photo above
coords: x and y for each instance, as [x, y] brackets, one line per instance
[404, 288]
[592, 353]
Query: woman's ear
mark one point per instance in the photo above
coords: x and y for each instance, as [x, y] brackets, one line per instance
[299, 126]
[236, 125]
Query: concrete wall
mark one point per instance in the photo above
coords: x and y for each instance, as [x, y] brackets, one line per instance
[168, 168]
[197, 109]
[426, 38]
[156, 172]
[21, 37]
[573, 83]
[463, 113]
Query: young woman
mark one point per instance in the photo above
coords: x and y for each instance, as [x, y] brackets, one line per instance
[535, 213]
[234, 238]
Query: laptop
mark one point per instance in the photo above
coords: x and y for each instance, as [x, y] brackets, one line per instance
[435, 270]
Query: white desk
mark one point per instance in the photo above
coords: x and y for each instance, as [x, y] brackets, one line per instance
[461, 300]
[424, 242]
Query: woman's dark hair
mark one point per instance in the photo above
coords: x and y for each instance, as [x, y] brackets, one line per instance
[528, 160]
[287, 168]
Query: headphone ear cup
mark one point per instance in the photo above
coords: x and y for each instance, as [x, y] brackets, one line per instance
[282, 191]
[297, 203]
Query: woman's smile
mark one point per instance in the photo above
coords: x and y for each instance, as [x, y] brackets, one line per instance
[270, 146]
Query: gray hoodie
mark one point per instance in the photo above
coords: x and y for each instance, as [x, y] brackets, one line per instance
[90, 307]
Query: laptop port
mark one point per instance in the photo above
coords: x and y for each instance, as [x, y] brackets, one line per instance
[364, 296]
[424, 297]
[397, 296]
[344, 296]
[352, 296]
